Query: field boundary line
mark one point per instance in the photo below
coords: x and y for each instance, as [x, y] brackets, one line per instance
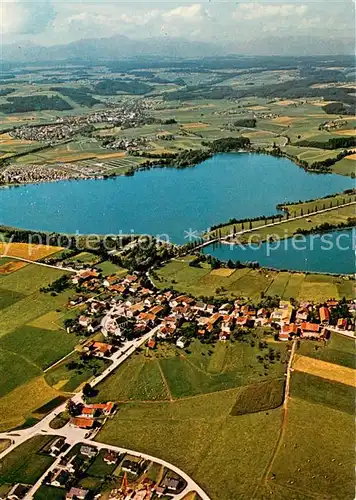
[164, 380]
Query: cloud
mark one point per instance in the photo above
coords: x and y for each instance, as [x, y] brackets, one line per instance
[257, 10]
[26, 17]
[194, 13]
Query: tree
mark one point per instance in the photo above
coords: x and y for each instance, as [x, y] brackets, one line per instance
[87, 390]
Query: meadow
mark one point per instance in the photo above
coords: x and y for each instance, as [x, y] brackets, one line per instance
[33, 338]
[168, 373]
[26, 463]
[250, 283]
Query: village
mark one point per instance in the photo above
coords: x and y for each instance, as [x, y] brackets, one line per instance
[129, 308]
[122, 476]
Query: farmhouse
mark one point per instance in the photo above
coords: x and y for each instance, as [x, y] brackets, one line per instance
[324, 315]
[310, 329]
[82, 422]
[111, 458]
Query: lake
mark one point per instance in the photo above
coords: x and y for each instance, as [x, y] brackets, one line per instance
[167, 200]
[332, 252]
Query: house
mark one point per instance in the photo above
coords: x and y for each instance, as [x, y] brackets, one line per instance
[106, 408]
[131, 467]
[18, 491]
[146, 318]
[151, 343]
[242, 320]
[84, 321]
[324, 315]
[111, 458]
[77, 493]
[156, 310]
[210, 308]
[88, 451]
[102, 350]
[287, 331]
[73, 464]
[310, 329]
[82, 422]
[199, 306]
[342, 323]
[170, 484]
[57, 446]
[225, 308]
[332, 303]
[88, 412]
[181, 342]
[60, 478]
[302, 314]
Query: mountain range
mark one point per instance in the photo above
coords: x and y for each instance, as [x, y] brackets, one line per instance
[119, 47]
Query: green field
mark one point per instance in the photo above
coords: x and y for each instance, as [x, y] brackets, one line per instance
[201, 438]
[169, 373]
[339, 350]
[32, 338]
[317, 457]
[26, 463]
[250, 283]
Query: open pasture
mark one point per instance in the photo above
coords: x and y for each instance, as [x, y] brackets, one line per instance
[316, 458]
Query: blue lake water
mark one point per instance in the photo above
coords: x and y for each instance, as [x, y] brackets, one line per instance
[332, 252]
[167, 200]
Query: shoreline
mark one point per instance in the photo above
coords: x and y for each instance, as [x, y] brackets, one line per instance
[159, 163]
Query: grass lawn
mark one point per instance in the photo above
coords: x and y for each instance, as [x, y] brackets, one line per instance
[338, 349]
[250, 283]
[8, 297]
[27, 281]
[15, 371]
[139, 378]
[45, 492]
[26, 463]
[318, 451]
[259, 397]
[19, 404]
[109, 268]
[99, 468]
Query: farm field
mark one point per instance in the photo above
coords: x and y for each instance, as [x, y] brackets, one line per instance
[168, 373]
[321, 463]
[339, 350]
[27, 462]
[178, 433]
[323, 369]
[32, 339]
[250, 283]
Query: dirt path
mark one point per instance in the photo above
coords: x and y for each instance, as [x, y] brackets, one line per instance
[165, 381]
[268, 469]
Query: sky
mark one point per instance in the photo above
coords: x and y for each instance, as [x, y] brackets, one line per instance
[49, 22]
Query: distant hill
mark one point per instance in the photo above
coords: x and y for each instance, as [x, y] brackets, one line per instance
[113, 48]
[121, 47]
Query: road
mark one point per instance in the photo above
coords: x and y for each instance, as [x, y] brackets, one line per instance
[74, 435]
[228, 237]
[28, 261]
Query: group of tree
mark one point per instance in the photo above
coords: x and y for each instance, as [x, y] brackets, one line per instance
[226, 144]
[113, 86]
[38, 102]
[80, 95]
